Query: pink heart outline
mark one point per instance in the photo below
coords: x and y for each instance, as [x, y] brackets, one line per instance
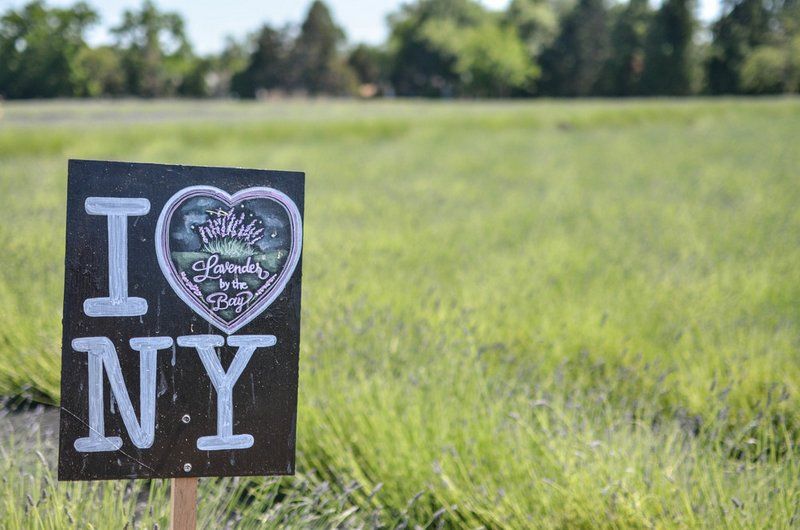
[171, 273]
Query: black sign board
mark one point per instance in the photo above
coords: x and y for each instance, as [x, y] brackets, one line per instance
[181, 321]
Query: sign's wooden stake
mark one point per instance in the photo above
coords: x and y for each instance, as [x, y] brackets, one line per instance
[184, 504]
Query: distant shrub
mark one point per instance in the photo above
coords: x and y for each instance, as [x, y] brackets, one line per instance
[764, 71]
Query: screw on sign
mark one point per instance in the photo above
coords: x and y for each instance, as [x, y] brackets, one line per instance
[182, 284]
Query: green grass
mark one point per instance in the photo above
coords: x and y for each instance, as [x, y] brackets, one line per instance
[579, 314]
[228, 247]
[30, 497]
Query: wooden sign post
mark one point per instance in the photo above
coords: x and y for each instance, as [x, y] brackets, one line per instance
[183, 509]
[182, 285]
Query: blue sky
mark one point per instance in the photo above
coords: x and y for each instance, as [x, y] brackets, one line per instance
[209, 21]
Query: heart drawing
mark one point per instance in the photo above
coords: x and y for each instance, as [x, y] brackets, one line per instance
[228, 256]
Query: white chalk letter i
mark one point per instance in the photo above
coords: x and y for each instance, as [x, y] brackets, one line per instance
[117, 304]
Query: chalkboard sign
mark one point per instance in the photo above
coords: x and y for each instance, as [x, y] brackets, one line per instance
[181, 321]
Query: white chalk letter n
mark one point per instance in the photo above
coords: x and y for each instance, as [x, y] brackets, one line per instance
[102, 354]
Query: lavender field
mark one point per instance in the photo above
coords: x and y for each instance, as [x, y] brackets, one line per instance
[515, 315]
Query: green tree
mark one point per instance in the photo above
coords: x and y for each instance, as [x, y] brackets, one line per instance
[225, 66]
[40, 48]
[100, 71]
[622, 74]
[490, 58]
[369, 64]
[419, 65]
[268, 64]
[774, 67]
[317, 65]
[789, 41]
[194, 72]
[764, 71]
[669, 51]
[156, 55]
[536, 22]
[573, 64]
[743, 27]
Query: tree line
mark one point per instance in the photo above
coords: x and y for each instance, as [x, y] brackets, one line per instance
[435, 48]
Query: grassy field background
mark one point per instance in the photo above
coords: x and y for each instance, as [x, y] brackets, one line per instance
[567, 315]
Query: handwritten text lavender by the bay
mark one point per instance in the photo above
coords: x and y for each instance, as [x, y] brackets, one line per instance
[214, 269]
[220, 231]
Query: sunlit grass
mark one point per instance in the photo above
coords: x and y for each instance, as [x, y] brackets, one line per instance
[520, 315]
[30, 497]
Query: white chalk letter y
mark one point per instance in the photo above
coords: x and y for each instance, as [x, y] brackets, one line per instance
[223, 383]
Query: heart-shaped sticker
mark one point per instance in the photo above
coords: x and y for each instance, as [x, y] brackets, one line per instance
[228, 256]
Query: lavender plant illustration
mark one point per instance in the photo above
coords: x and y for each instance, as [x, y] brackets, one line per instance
[230, 233]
